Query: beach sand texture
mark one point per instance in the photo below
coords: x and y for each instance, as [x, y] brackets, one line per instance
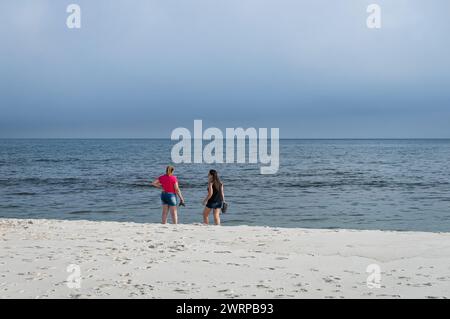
[131, 260]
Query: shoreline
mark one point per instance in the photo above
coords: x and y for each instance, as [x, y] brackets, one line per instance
[134, 260]
[224, 224]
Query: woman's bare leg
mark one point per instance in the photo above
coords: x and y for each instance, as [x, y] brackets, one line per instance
[174, 215]
[206, 212]
[217, 216]
[165, 210]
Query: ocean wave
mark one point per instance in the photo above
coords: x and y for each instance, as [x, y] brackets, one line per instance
[53, 160]
[23, 194]
[360, 183]
[81, 212]
[311, 219]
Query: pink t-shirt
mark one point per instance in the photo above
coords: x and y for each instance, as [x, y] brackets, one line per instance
[168, 183]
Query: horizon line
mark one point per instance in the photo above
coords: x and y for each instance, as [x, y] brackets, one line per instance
[281, 138]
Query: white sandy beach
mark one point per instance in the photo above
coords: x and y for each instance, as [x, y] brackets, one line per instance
[129, 260]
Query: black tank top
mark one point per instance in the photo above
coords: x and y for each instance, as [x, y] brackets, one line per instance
[216, 195]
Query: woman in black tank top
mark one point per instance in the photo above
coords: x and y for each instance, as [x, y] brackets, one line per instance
[214, 199]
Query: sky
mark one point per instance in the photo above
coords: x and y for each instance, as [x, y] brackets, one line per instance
[142, 68]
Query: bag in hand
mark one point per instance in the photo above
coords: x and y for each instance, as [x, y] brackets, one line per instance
[224, 207]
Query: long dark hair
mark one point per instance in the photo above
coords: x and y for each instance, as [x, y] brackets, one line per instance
[215, 179]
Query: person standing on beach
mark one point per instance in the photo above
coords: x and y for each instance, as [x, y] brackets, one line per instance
[170, 189]
[215, 198]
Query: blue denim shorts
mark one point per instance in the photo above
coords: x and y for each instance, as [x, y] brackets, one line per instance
[214, 205]
[169, 199]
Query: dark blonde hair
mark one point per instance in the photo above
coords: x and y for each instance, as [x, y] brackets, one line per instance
[169, 170]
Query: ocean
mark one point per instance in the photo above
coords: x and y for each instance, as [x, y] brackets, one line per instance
[354, 184]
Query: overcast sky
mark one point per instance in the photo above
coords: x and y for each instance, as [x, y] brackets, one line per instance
[141, 68]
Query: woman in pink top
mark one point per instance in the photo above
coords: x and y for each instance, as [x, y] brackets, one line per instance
[170, 190]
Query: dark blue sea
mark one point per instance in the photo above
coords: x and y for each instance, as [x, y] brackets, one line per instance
[357, 184]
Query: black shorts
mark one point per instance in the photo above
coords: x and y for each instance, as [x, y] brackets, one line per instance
[214, 205]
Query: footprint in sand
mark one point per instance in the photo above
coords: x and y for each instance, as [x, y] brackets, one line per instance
[181, 291]
[267, 268]
[262, 286]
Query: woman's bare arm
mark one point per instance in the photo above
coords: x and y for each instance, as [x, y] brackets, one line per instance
[210, 193]
[156, 183]
[177, 189]
[222, 192]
